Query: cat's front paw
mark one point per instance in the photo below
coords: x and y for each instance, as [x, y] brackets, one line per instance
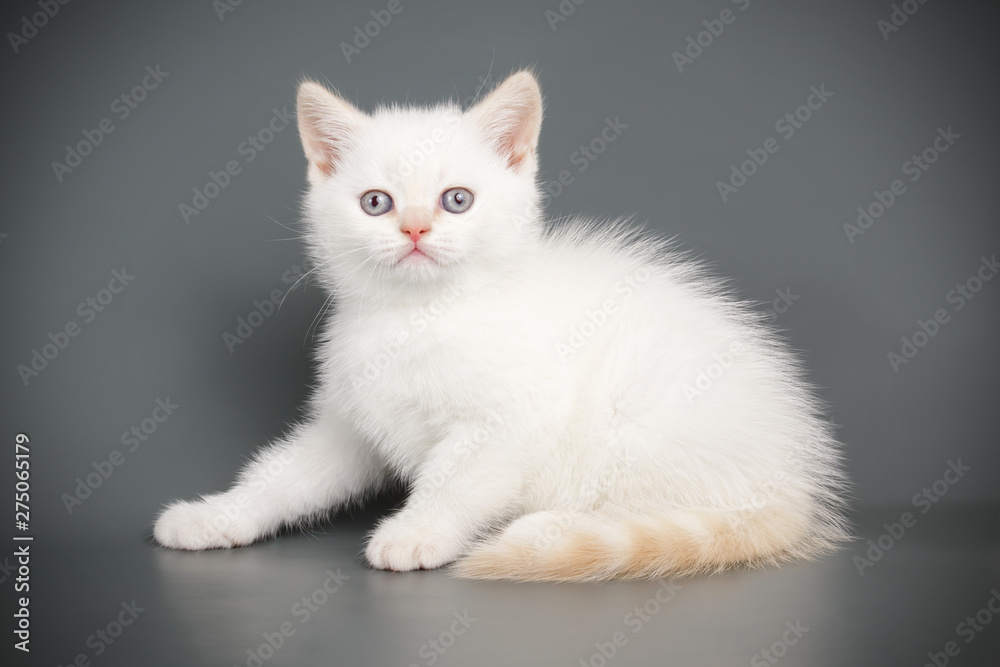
[202, 524]
[402, 546]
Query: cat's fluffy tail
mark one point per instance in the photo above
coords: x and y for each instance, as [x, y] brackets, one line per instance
[555, 546]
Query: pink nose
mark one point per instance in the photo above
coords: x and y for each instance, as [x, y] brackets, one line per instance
[415, 227]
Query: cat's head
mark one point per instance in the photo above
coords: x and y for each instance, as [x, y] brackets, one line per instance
[415, 196]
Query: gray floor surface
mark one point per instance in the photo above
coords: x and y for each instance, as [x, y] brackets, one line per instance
[311, 596]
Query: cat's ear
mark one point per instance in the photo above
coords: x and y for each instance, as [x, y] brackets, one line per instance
[511, 117]
[326, 123]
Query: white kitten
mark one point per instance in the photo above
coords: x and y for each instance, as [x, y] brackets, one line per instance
[569, 404]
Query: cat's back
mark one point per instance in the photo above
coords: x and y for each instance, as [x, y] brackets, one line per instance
[582, 265]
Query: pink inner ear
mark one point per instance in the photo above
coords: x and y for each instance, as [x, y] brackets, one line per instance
[513, 144]
[324, 163]
[324, 121]
[515, 149]
[321, 153]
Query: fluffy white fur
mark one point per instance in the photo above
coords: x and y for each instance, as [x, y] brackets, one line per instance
[568, 403]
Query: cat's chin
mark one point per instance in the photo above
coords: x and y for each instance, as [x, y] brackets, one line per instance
[418, 266]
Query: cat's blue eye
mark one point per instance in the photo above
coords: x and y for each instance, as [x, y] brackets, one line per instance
[456, 200]
[376, 202]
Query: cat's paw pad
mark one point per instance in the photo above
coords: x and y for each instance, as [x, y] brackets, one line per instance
[199, 525]
[403, 546]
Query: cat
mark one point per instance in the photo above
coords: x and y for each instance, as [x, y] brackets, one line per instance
[572, 402]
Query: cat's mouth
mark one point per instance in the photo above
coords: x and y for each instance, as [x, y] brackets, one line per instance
[415, 255]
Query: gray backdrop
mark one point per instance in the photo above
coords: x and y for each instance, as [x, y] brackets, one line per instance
[702, 87]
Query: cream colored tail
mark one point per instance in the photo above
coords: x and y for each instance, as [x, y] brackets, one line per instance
[554, 546]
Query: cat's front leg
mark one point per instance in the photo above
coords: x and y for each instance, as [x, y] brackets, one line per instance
[468, 483]
[320, 465]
